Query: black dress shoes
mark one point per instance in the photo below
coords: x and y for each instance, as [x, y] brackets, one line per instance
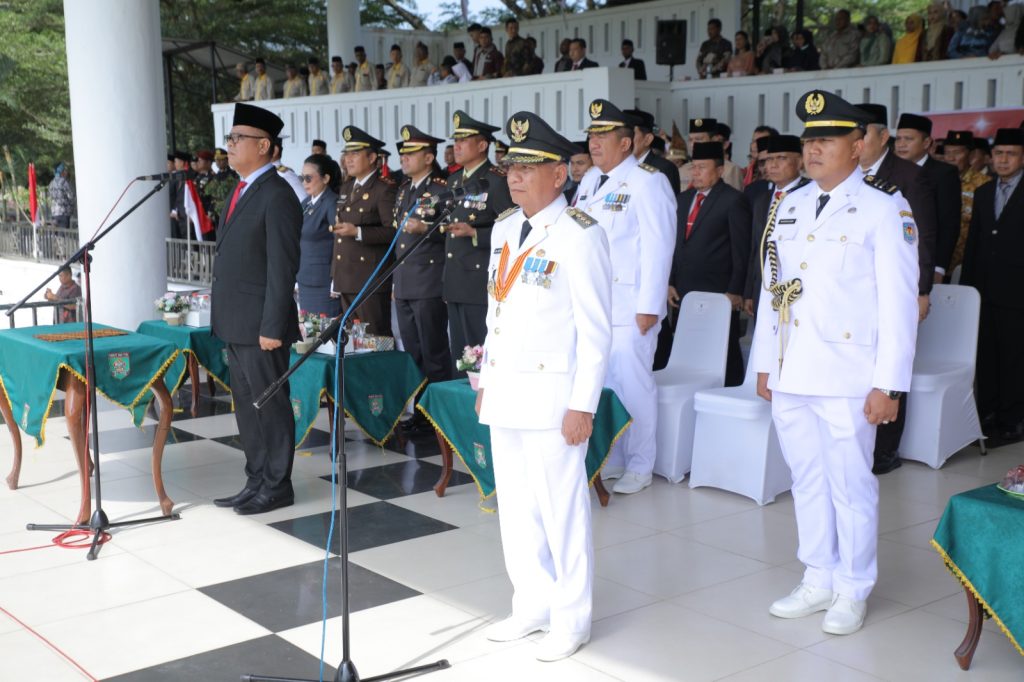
[886, 463]
[264, 502]
[242, 497]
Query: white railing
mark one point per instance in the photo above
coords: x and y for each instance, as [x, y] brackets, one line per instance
[190, 262]
[561, 98]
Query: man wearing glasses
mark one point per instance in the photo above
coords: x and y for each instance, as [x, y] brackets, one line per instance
[254, 310]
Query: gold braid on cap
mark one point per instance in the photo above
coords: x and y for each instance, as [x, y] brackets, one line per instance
[784, 294]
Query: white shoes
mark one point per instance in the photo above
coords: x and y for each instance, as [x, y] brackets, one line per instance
[556, 646]
[803, 601]
[513, 628]
[631, 483]
[612, 473]
[845, 616]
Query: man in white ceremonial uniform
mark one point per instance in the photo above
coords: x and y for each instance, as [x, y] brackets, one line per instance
[834, 350]
[545, 357]
[634, 204]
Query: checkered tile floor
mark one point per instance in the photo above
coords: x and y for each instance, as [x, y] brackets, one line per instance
[683, 577]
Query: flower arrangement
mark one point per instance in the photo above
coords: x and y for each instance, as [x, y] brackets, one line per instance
[312, 324]
[171, 303]
[472, 358]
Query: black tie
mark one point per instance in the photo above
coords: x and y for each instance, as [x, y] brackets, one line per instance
[822, 200]
[525, 233]
[600, 181]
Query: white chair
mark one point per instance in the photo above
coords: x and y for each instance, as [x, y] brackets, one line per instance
[697, 362]
[942, 416]
[735, 446]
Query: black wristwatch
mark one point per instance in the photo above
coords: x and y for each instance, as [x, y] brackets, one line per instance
[891, 395]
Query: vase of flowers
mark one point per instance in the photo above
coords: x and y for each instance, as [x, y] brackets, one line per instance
[472, 358]
[173, 307]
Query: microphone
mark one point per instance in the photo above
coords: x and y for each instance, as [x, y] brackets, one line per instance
[475, 192]
[163, 176]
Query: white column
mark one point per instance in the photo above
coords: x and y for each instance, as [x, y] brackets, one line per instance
[343, 29]
[118, 129]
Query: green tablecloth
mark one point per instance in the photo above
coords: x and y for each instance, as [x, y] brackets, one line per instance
[209, 351]
[450, 407]
[981, 539]
[126, 366]
[377, 388]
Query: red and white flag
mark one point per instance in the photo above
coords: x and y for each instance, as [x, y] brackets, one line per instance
[196, 213]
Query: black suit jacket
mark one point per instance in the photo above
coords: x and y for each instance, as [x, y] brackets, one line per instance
[257, 257]
[419, 275]
[316, 243]
[666, 167]
[994, 255]
[639, 69]
[715, 256]
[920, 194]
[945, 180]
[585, 64]
[760, 202]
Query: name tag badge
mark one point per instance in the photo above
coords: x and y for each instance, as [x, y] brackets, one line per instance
[787, 221]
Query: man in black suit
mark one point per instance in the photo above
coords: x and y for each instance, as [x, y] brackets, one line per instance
[254, 309]
[783, 165]
[913, 140]
[631, 62]
[643, 138]
[879, 161]
[422, 315]
[578, 55]
[712, 243]
[993, 265]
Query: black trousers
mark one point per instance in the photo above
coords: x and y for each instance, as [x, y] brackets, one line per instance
[887, 440]
[468, 327]
[423, 324]
[376, 312]
[267, 434]
[734, 356]
[1001, 365]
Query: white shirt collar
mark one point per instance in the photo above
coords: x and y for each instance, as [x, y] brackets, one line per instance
[549, 214]
[362, 181]
[251, 178]
[922, 161]
[873, 168]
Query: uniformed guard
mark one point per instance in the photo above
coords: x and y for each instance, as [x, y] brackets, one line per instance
[633, 203]
[548, 340]
[363, 229]
[422, 315]
[468, 243]
[834, 349]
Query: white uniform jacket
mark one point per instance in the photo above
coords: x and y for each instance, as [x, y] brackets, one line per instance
[637, 210]
[854, 327]
[548, 342]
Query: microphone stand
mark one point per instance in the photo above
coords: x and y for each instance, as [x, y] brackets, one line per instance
[346, 669]
[98, 522]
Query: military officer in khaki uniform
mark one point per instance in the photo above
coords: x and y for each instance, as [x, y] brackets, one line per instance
[548, 340]
[295, 86]
[341, 81]
[363, 230]
[833, 351]
[365, 77]
[317, 79]
[468, 232]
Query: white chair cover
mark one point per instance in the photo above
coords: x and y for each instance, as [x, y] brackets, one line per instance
[942, 416]
[697, 362]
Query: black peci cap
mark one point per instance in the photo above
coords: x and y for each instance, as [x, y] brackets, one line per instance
[960, 138]
[642, 119]
[778, 144]
[879, 113]
[703, 125]
[703, 151]
[915, 122]
[1009, 136]
[255, 117]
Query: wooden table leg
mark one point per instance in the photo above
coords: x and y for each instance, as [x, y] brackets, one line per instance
[193, 375]
[75, 399]
[602, 493]
[965, 652]
[166, 407]
[12, 426]
[446, 465]
[211, 384]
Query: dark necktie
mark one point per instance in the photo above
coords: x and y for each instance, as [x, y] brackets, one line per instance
[822, 200]
[525, 233]
[601, 180]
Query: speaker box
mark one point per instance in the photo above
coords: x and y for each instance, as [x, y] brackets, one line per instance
[671, 42]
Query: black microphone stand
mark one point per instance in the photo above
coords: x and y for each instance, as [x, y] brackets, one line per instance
[346, 669]
[98, 522]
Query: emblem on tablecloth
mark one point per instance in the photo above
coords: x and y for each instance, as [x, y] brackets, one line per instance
[297, 408]
[480, 455]
[376, 404]
[24, 418]
[119, 364]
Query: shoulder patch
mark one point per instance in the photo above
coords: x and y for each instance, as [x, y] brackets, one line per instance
[906, 214]
[497, 170]
[506, 213]
[583, 219]
[440, 181]
[647, 167]
[881, 185]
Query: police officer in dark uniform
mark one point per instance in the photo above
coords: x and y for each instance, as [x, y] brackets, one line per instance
[468, 233]
[363, 229]
[422, 315]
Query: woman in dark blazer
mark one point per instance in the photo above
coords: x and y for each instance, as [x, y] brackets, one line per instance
[320, 179]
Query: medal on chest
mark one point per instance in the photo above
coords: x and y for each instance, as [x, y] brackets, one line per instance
[506, 276]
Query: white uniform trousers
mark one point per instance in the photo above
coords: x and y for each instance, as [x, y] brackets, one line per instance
[544, 511]
[829, 445]
[631, 376]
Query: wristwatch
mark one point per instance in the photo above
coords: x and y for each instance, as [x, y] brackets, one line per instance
[891, 395]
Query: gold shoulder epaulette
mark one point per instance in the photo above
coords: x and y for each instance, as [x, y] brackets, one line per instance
[497, 170]
[881, 184]
[648, 167]
[582, 218]
[440, 181]
[506, 213]
[283, 169]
